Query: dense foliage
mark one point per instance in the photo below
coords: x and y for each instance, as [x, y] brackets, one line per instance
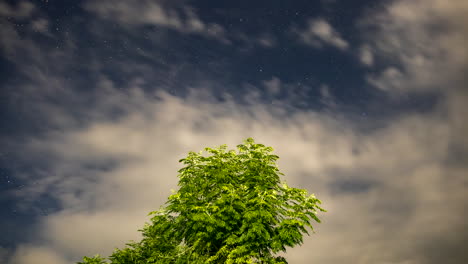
[230, 208]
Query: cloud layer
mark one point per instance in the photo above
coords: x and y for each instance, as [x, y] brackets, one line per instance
[157, 13]
[394, 194]
[108, 175]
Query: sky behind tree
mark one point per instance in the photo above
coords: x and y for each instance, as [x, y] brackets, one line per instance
[363, 101]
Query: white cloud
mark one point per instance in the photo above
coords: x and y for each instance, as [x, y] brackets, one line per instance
[424, 42]
[110, 174]
[388, 80]
[155, 13]
[319, 32]
[27, 254]
[366, 56]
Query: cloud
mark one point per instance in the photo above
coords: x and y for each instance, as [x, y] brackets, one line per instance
[40, 25]
[31, 254]
[395, 194]
[420, 47]
[318, 33]
[424, 42]
[327, 99]
[182, 17]
[366, 56]
[273, 86]
[266, 40]
[111, 173]
[22, 10]
[4, 253]
[184, 20]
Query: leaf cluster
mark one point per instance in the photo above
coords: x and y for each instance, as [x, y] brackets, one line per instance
[230, 208]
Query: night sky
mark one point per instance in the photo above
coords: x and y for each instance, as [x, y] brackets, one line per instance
[365, 103]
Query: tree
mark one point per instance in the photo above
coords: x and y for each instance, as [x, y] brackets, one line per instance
[230, 208]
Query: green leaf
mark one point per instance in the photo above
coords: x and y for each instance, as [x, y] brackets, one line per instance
[231, 207]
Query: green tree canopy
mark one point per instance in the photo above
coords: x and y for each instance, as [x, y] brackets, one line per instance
[230, 208]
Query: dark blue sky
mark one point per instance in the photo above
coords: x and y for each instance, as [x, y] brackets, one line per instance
[362, 90]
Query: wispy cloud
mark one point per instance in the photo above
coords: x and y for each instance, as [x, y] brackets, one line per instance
[111, 173]
[273, 85]
[366, 56]
[318, 33]
[418, 55]
[22, 9]
[146, 12]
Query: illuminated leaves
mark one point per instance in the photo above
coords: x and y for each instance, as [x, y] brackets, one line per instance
[230, 208]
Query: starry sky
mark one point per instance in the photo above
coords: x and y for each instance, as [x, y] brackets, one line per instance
[365, 103]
